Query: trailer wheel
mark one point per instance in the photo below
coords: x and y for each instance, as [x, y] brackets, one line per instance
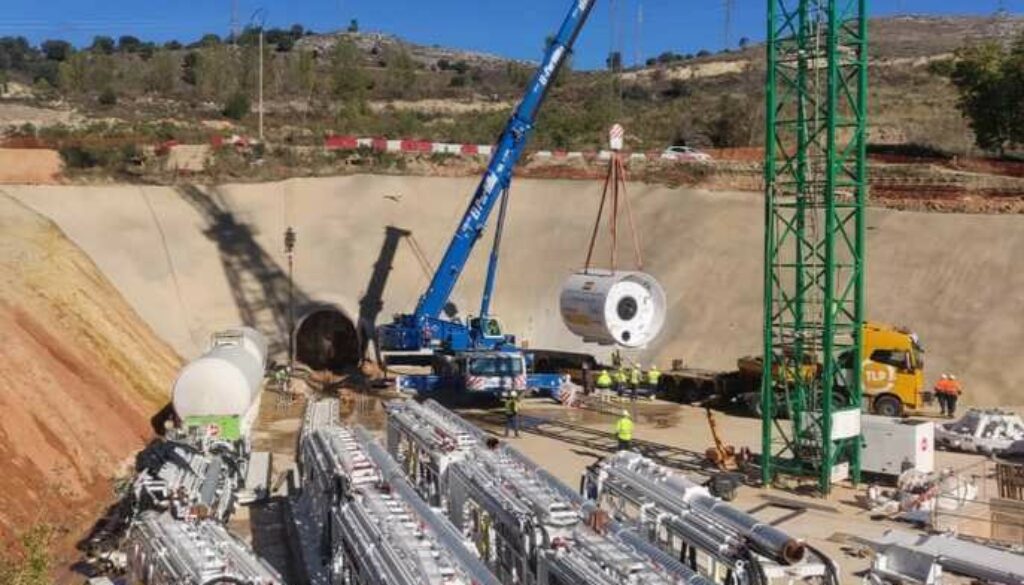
[888, 405]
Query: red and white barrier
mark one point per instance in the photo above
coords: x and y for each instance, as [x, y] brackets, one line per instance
[411, 146]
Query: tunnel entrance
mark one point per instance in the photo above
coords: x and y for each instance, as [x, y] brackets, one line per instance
[326, 339]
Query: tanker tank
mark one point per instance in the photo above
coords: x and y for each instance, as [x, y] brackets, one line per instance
[220, 390]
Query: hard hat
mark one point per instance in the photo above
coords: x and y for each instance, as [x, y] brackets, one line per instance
[952, 377]
[625, 413]
[945, 376]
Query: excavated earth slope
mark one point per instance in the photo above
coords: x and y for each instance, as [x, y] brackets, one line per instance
[192, 259]
[80, 376]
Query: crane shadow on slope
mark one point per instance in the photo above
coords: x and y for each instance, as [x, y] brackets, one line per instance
[325, 337]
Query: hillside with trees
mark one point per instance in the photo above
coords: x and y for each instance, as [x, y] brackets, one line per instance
[378, 85]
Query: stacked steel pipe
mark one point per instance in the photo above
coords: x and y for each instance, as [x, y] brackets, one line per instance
[368, 524]
[659, 502]
[528, 526]
[165, 551]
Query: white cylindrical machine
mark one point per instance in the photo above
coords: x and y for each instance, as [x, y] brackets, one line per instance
[621, 307]
[225, 381]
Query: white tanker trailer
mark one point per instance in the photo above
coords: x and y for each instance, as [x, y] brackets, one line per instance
[220, 390]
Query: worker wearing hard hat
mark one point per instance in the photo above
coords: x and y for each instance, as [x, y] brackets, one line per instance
[619, 380]
[947, 391]
[624, 431]
[941, 389]
[653, 375]
[634, 381]
[512, 413]
[955, 390]
[604, 380]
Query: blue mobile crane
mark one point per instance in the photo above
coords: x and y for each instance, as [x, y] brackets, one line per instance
[476, 355]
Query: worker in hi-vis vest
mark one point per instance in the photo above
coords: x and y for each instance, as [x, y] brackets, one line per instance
[634, 381]
[619, 378]
[624, 431]
[512, 412]
[604, 380]
[653, 375]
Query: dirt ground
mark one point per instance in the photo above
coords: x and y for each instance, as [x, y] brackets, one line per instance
[80, 376]
[820, 521]
[29, 166]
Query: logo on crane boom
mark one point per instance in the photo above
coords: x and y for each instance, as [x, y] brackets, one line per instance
[549, 69]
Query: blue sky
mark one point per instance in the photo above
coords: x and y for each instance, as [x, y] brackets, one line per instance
[514, 28]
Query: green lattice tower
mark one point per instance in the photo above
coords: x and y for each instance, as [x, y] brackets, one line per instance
[815, 189]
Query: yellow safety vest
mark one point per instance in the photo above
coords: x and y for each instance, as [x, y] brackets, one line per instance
[624, 429]
[511, 406]
[634, 376]
[620, 376]
[604, 380]
[653, 376]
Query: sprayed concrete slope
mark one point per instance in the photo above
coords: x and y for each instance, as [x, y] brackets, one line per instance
[956, 279]
[80, 376]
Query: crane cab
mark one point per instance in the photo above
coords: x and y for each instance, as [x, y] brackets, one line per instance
[488, 334]
[492, 372]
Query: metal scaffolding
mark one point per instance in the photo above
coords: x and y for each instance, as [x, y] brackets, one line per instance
[815, 190]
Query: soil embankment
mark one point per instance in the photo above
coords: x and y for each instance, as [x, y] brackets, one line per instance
[191, 260]
[80, 376]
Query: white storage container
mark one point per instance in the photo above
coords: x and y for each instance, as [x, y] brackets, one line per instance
[891, 444]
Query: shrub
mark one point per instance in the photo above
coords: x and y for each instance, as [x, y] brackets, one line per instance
[30, 564]
[107, 97]
[237, 106]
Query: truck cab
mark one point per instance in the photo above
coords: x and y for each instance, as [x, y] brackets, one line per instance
[892, 369]
[482, 372]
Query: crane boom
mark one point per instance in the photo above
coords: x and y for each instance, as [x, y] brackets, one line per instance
[415, 331]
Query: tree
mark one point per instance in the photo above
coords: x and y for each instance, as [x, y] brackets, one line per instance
[163, 70]
[208, 40]
[990, 81]
[614, 61]
[129, 44]
[107, 97]
[15, 52]
[401, 73]
[744, 42]
[347, 78]
[74, 73]
[172, 45]
[102, 44]
[237, 106]
[56, 50]
[703, 53]
[353, 26]
[216, 72]
[147, 50]
[730, 125]
[302, 75]
[189, 67]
